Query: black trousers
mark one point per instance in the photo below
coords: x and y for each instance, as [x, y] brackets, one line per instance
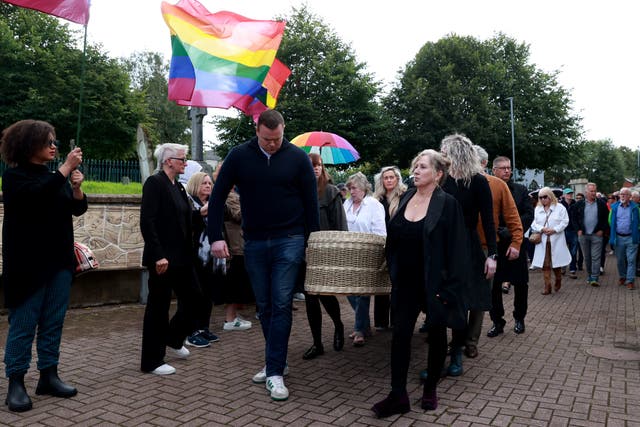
[381, 311]
[520, 302]
[314, 314]
[405, 317]
[208, 288]
[157, 330]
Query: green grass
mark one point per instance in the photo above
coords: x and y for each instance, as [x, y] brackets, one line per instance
[97, 187]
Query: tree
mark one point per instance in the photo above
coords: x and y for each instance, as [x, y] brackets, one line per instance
[462, 84]
[328, 90]
[630, 160]
[603, 164]
[164, 120]
[41, 69]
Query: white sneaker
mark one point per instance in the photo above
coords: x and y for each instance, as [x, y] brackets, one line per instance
[243, 320]
[164, 370]
[298, 296]
[180, 353]
[261, 376]
[275, 386]
[236, 324]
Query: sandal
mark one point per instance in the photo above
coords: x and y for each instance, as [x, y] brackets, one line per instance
[358, 339]
[505, 287]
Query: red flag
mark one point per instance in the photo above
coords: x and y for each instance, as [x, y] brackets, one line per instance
[72, 10]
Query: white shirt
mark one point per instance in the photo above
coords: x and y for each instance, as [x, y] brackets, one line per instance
[368, 218]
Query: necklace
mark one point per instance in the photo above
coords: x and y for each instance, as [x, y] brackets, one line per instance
[417, 201]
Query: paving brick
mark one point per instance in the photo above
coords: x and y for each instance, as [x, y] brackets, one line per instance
[543, 377]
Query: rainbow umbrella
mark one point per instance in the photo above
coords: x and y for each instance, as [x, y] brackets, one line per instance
[333, 149]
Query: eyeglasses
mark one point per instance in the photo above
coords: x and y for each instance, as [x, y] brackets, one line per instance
[54, 143]
[543, 197]
[180, 159]
[503, 168]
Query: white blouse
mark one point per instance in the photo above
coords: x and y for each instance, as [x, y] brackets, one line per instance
[368, 218]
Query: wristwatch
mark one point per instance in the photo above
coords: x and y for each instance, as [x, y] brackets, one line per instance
[493, 257]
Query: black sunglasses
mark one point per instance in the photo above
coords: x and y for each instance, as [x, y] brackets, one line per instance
[543, 197]
[54, 143]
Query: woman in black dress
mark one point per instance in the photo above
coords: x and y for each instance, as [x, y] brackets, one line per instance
[426, 254]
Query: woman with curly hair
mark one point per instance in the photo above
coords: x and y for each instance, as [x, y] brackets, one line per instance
[471, 189]
[38, 208]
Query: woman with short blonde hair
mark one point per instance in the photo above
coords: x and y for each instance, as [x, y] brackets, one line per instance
[365, 215]
[551, 253]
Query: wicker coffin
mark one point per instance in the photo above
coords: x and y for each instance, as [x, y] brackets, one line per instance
[345, 262]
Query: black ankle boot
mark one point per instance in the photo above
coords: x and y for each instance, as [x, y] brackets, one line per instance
[50, 384]
[17, 398]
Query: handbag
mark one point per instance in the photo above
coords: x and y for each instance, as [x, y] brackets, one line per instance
[535, 237]
[85, 258]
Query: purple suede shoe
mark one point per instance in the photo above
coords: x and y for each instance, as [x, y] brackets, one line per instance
[392, 405]
[429, 400]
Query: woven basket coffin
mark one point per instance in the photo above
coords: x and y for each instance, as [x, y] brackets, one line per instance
[345, 262]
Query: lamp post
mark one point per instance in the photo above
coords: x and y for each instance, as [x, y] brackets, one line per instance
[513, 141]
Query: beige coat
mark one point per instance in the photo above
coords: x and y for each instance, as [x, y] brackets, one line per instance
[232, 224]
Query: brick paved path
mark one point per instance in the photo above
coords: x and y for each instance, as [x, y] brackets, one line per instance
[547, 376]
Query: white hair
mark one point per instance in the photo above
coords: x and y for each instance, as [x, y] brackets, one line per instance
[165, 151]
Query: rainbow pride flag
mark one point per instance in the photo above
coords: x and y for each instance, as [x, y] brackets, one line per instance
[222, 59]
[71, 10]
[266, 98]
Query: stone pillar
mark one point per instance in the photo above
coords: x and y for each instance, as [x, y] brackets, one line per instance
[196, 115]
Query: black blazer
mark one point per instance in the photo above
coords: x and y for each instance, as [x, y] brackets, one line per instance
[165, 222]
[577, 213]
[445, 257]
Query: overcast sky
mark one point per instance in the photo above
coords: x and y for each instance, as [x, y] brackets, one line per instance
[594, 44]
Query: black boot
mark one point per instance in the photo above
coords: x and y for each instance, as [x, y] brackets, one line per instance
[17, 398]
[50, 384]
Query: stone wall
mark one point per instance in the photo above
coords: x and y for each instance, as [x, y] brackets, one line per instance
[111, 227]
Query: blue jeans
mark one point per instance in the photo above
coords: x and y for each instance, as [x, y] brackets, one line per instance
[272, 266]
[44, 310]
[626, 252]
[571, 237]
[361, 305]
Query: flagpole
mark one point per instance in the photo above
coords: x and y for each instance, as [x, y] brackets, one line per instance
[82, 76]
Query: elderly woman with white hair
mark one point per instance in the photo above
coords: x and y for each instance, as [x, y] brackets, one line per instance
[166, 226]
[551, 253]
[365, 215]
